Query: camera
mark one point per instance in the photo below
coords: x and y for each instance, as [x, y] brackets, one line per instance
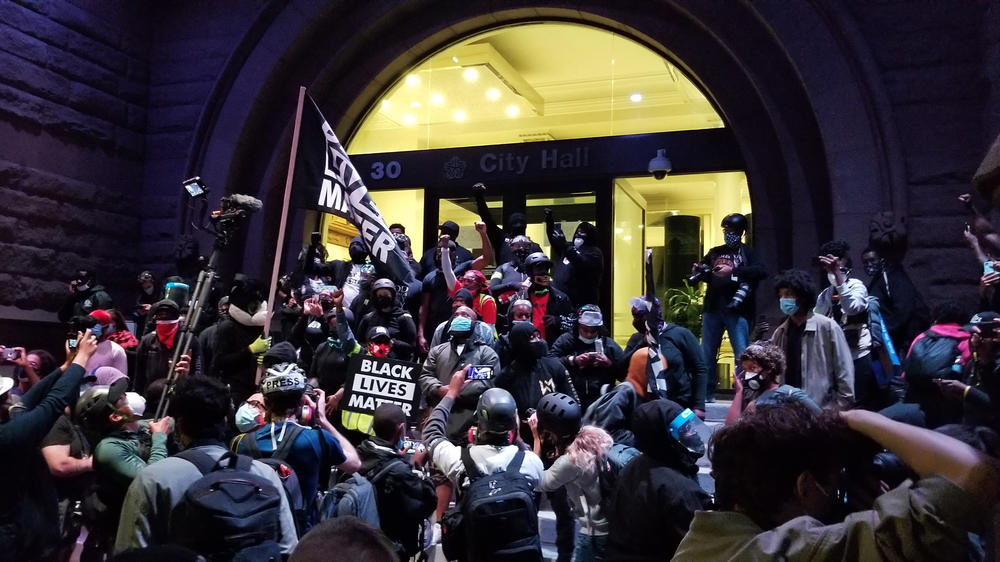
[11, 354]
[700, 269]
[660, 165]
[740, 296]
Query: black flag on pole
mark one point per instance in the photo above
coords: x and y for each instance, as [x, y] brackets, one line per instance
[326, 180]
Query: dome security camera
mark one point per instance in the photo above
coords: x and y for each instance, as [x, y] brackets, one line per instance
[660, 165]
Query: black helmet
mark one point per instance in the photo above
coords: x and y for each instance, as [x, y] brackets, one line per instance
[536, 258]
[496, 412]
[560, 414]
[384, 283]
[735, 221]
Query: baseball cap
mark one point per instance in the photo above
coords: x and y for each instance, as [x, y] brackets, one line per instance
[165, 304]
[590, 316]
[987, 317]
[378, 332]
[101, 316]
[449, 225]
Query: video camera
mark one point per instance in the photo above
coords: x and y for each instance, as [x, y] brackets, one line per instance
[233, 211]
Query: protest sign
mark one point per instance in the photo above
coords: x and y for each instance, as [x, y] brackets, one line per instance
[372, 381]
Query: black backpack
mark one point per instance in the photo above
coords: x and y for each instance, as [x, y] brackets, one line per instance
[609, 467]
[404, 501]
[230, 512]
[496, 518]
[289, 480]
[933, 356]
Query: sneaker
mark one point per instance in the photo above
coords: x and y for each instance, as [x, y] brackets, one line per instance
[710, 400]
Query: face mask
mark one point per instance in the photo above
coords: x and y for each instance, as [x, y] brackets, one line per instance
[379, 349]
[539, 348]
[639, 324]
[521, 254]
[165, 330]
[731, 238]
[383, 303]
[872, 269]
[586, 340]
[248, 418]
[788, 306]
[832, 279]
[83, 287]
[752, 380]
[577, 242]
[461, 324]
[97, 330]
[148, 290]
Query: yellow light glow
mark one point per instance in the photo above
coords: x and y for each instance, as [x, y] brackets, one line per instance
[454, 59]
[409, 120]
[412, 80]
[636, 97]
[513, 111]
[437, 99]
[459, 115]
[386, 105]
[493, 94]
[619, 230]
[626, 238]
[470, 74]
[414, 104]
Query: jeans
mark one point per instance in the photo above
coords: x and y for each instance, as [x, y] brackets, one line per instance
[565, 524]
[589, 548]
[712, 325]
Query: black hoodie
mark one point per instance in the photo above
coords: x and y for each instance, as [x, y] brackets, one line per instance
[657, 492]
[528, 377]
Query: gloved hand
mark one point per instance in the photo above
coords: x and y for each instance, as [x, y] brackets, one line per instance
[260, 345]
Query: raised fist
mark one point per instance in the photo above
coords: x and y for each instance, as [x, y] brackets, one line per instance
[479, 187]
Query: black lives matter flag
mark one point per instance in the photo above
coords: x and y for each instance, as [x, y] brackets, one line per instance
[326, 180]
[373, 381]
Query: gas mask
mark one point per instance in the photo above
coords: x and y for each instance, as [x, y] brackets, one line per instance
[752, 380]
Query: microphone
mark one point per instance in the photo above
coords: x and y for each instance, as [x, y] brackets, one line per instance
[240, 201]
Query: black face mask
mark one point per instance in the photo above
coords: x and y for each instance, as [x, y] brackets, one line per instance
[639, 323]
[383, 302]
[521, 254]
[539, 348]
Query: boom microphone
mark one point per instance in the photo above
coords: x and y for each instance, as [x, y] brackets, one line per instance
[240, 201]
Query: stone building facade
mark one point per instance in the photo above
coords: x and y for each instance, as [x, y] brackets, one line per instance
[841, 109]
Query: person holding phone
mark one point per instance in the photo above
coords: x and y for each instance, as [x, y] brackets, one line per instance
[29, 521]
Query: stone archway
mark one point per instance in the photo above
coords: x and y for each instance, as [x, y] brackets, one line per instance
[348, 53]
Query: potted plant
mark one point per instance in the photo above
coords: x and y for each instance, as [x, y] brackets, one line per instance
[684, 306]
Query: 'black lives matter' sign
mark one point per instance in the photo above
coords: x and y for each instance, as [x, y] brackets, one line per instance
[372, 381]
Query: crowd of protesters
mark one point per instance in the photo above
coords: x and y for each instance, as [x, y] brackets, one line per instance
[862, 427]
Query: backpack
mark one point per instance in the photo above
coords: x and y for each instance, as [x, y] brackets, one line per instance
[229, 512]
[289, 480]
[609, 467]
[933, 356]
[351, 495]
[404, 501]
[496, 518]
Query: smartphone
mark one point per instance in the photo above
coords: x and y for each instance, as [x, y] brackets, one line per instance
[71, 340]
[194, 186]
[479, 373]
[988, 267]
[11, 354]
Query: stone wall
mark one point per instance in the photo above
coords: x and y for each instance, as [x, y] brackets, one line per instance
[73, 88]
[932, 62]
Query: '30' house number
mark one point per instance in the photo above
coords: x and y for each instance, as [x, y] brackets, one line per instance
[380, 170]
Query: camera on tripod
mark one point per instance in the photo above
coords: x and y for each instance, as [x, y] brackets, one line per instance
[234, 209]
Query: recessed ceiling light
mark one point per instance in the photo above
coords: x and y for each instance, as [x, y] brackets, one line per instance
[493, 94]
[437, 99]
[459, 115]
[619, 230]
[626, 238]
[636, 97]
[409, 120]
[454, 59]
[513, 111]
[412, 80]
[470, 74]
[386, 105]
[414, 104]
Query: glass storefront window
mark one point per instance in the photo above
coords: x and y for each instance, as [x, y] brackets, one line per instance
[462, 210]
[569, 210]
[629, 225]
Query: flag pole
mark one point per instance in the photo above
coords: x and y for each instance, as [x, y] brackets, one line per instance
[271, 306]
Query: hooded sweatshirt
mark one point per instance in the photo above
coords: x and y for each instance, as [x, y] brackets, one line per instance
[657, 492]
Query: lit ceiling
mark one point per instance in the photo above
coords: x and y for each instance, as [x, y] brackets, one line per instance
[531, 82]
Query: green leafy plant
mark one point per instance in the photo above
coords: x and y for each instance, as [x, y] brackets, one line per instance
[684, 306]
